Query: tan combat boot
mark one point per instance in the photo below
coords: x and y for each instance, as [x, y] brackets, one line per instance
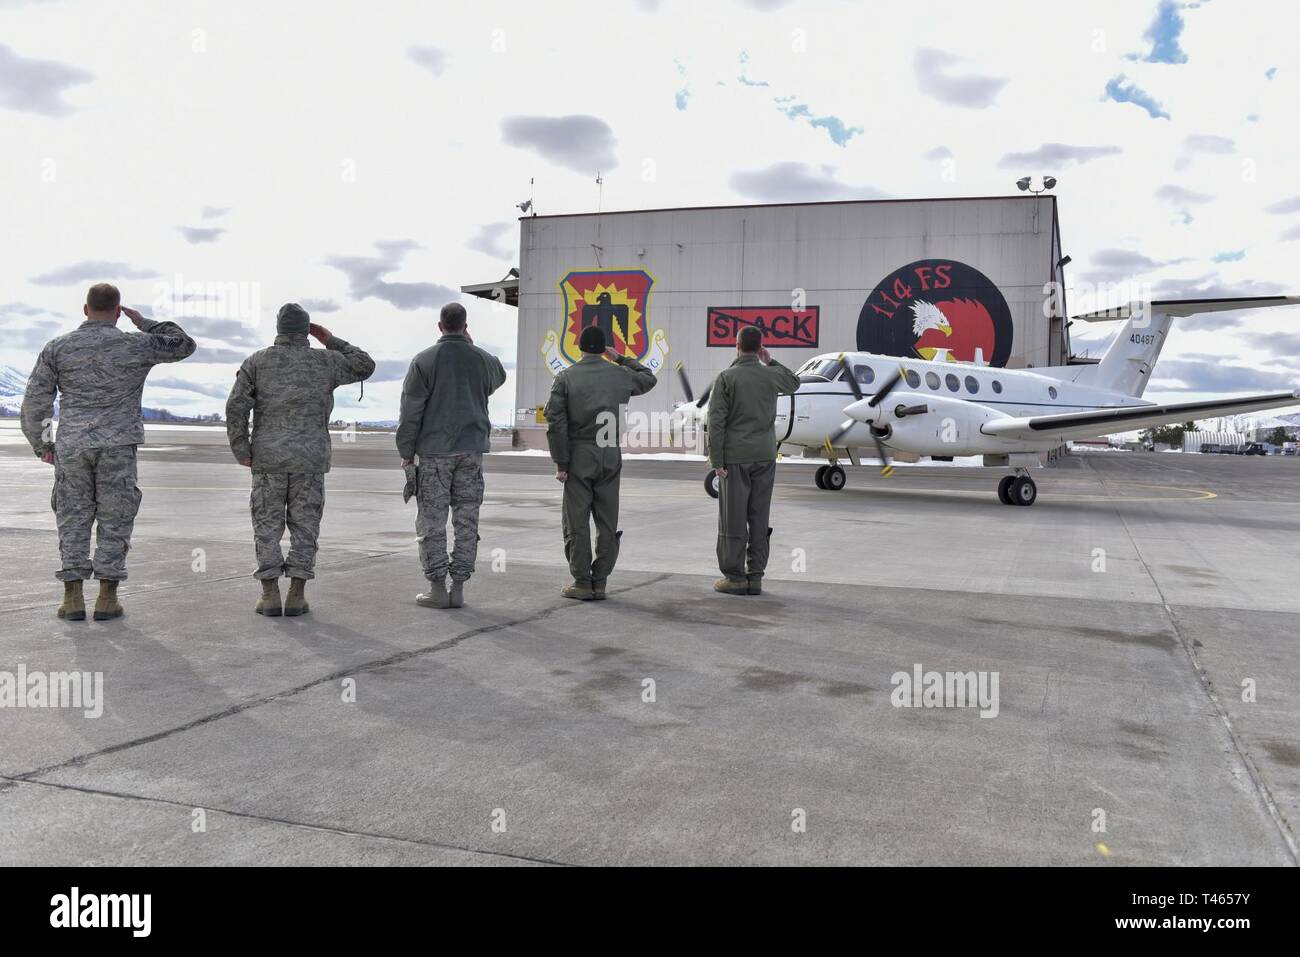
[457, 597]
[269, 603]
[730, 587]
[106, 604]
[74, 605]
[295, 603]
[435, 597]
[578, 590]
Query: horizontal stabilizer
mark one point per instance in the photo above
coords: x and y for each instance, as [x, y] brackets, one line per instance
[1187, 307]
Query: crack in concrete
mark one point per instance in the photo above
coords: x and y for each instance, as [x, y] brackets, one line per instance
[268, 819]
[400, 657]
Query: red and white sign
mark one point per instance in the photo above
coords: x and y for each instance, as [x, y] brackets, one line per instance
[782, 327]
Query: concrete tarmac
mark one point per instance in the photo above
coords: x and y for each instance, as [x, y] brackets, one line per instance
[1141, 620]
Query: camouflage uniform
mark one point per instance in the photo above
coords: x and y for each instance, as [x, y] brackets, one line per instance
[98, 371]
[289, 389]
[452, 480]
[444, 421]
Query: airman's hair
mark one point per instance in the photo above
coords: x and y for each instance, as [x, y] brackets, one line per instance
[103, 297]
[749, 339]
[453, 317]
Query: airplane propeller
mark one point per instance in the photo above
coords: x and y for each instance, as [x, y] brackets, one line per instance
[887, 387]
[686, 387]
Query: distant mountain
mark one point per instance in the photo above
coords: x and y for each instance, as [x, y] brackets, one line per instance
[12, 383]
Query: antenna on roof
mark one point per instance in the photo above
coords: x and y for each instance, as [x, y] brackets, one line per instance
[527, 204]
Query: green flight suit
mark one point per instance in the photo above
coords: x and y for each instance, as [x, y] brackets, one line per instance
[742, 438]
[582, 430]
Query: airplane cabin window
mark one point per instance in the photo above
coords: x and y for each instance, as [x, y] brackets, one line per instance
[932, 380]
[864, 374]
[912, 378]
[972, 385]
[1051, 390]
[953, 383]
[997, 386]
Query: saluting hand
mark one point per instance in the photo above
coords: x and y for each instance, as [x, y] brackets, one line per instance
[321, 334]
[764, 356]
[612, 354]
[133, 315]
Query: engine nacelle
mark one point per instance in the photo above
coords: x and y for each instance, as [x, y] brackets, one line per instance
[952, 425]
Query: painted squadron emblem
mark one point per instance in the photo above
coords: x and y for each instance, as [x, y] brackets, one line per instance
[617, 301]
[937, 309]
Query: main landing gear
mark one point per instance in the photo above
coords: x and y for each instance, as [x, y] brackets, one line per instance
[711, 484]
[1018, 489]
[831, 477]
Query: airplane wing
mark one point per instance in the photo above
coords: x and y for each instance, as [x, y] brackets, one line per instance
[1101, 421]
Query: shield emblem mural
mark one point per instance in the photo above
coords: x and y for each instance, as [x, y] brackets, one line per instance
[617, 301]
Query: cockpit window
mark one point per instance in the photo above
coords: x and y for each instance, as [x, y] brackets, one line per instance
[827, 370]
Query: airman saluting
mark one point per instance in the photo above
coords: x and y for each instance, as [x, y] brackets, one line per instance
[98, 373]
[582, 430]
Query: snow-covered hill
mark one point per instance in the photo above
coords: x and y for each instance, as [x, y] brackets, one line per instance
[12, 383]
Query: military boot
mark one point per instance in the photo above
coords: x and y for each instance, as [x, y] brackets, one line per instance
[730, 586]
[106, 604]
[598, 591]
[578, 590]
[269, 603]
[295, 603]
[435, 597]
[756, 586]
[457, 597]
[74, 604]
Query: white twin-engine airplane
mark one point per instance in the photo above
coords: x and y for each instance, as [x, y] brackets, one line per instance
[859, 400]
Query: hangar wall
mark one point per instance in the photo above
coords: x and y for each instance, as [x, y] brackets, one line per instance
[896, 276]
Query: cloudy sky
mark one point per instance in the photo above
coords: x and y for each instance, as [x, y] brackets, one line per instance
[216, 159]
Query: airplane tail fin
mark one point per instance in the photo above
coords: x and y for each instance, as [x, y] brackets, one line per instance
[1127, 363]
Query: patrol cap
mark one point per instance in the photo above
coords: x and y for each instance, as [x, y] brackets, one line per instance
[292, 319]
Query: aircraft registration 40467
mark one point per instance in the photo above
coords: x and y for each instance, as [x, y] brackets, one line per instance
[852, 401]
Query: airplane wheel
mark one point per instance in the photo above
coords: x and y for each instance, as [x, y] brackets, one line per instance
[820, 476]
[1004, 490]
[711, 484]
[1024, 491]
[834, 479]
